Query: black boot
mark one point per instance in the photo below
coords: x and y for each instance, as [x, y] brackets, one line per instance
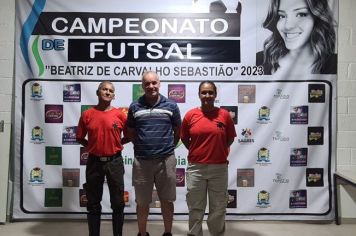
[94, 224]
[117, 222]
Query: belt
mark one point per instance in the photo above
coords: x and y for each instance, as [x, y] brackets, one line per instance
[107, 158]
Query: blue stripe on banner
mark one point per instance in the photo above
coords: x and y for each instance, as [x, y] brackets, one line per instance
[28, 27]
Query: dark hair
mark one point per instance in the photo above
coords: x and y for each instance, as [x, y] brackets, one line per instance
[322, 38]
[208, 82]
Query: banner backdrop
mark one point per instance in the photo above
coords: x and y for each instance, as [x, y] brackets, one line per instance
[275, 70]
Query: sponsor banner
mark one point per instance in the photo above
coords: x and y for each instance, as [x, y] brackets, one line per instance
[283, 107]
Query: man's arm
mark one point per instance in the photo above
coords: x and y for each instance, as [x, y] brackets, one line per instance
[131, 134]
[176, 131]
[230, 141]
[186, 142]
[124, 138]
[82, 141]
[81, 132]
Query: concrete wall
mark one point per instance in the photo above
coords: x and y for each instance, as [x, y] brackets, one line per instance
[346, 136]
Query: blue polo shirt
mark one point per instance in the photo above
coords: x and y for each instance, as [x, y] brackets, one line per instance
[154, 127]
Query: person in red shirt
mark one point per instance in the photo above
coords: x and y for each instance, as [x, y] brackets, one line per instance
[103, 126]
[207, 132]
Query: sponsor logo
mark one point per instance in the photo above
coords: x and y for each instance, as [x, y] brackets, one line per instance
[36, 91]
[245, 177]
[316, 93]
[299, 115]
[278, 136]
[180, 177]
[247, 93]
[231, 200]
[71, 177]
[71, 93]
[298, 156]
[37, 135]
[263, 156]
[53, 113]
[53, 197]
[53, 155]
[36, 176]
[137, 91]
[69, 135]
[263, 198]
[246, 136]
[83, 156]
[298, 198]
[83, 201]
[280, 180]
[315, 135]
[314, 177]
[176, 92]
[280, 95]
[263, 115]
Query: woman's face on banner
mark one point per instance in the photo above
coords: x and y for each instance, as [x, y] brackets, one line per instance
[295, 23]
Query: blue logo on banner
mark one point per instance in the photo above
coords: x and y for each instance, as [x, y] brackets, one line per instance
[37, 135]
[36, 91]
[36, 175]
[263, 156]
[263, 199]
[263, 115]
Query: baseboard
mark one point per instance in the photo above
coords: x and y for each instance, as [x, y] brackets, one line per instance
[348, 220]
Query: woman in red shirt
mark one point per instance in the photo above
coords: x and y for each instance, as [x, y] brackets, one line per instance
[207, 132]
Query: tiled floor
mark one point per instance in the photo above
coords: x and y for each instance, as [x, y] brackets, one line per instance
[238, 228]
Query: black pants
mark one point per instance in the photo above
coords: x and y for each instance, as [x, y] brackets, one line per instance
[95, 175]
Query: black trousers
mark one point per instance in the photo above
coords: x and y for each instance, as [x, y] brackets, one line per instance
[96, 171]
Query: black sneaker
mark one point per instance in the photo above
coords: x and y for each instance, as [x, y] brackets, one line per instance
[147, 234]
[167, 234]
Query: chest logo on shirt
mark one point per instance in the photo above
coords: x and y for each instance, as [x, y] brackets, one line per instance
[220, 125]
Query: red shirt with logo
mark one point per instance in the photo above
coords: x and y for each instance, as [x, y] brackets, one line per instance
[104, 129]
[209, 134]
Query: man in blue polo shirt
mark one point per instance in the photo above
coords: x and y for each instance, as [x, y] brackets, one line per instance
[153, 127]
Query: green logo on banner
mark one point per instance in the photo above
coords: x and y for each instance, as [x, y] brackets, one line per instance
[53, 155]
[83, 108]
[137, 91]
[53, 197]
